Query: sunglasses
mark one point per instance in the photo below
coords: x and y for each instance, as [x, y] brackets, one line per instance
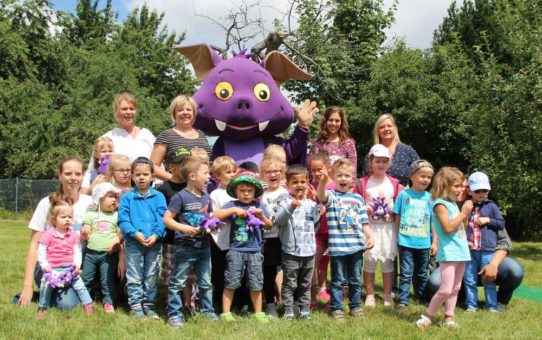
[481, 191]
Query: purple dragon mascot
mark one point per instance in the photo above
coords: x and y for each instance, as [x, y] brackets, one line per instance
[240, 102]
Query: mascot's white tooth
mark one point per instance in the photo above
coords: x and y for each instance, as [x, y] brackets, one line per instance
[220, 125]
[263, 125]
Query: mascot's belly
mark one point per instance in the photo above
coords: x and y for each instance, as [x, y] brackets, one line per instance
[244, 150]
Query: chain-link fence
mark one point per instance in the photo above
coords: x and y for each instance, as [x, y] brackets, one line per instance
[24, 194]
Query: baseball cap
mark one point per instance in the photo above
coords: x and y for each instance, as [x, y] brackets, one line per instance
[379, 150]
[419, 164]
[177, 156]
[479, 180]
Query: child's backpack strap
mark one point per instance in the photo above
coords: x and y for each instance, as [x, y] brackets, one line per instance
[396, 187]
[361, 186]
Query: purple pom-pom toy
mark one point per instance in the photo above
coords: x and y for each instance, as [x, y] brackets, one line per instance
[209, 224]
[104, 162]
[60, 279]
[253, 222]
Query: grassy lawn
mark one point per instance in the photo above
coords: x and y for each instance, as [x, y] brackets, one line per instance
[521, 320]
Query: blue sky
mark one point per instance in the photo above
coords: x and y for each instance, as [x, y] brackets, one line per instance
[415, 20]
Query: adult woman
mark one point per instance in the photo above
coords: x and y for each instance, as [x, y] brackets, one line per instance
[70, 175]
[385, 133]
[334, 137]
[181, 135]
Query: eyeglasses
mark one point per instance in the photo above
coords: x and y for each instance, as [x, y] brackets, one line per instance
[126, 171]
[270, 172]
[481, 191]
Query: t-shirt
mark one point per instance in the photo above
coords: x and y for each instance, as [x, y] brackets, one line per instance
[219, 197]
[103, 229]
[125, 144]
[298, 227]
[169, 189]
[173, 141]
[346, 213]
[380, 198]
[415, 217]
[190, 209]
[451, 246]
[39, 221]
[241, 239]
[271, 200]
[59, 247]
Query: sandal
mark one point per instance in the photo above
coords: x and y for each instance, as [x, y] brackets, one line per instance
[423, 322]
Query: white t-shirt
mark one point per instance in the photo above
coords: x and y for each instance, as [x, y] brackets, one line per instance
[125, 144]
[271, 201]
[219, 197]
[39, 221]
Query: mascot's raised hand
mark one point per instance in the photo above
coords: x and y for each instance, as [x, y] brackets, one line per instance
[305, 114]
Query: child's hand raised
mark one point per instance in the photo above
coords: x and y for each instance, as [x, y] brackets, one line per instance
[324, 176]
[295, 203]
[467, 207]
[311, 193]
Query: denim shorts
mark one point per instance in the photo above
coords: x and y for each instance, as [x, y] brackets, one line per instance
[240, 264]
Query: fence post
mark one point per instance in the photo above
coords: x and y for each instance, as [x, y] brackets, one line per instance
[16, 193]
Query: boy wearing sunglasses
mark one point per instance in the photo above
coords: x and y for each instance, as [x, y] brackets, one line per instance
[484, 223]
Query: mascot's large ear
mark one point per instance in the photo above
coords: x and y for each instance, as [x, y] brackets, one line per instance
[202, 57]
[282, 68]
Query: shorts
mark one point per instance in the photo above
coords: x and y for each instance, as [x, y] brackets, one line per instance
[241, 264]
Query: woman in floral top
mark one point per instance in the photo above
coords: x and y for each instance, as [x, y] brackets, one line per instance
[334, 137]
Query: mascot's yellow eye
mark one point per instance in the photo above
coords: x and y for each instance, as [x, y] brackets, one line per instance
[262, 92]
[223, 90]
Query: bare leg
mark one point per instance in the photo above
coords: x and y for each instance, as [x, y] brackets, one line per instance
[227, 298]
[369, 281]
[255, 297]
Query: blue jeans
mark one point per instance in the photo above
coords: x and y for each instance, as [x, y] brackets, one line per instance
[78, 286]
[509, 277]
[142, 266]
[106, 265]
[61, 298]
[186, 258]
[414, 264]
[346, 268]
[479, 259]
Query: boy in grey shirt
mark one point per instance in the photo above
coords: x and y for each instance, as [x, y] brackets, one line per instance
[297, 218]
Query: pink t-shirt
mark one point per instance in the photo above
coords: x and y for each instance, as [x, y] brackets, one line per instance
[59, 247]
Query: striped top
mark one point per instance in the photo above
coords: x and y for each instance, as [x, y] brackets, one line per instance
[173, 141]
[346, 214]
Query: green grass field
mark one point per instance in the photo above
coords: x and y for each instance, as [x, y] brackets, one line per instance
[521, 320]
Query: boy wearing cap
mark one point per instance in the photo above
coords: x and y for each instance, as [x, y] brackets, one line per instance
[102, 232]
[186, 210]
[484, 223]
[412, 211]
[169, 188]
[245, 257]
[140, 219]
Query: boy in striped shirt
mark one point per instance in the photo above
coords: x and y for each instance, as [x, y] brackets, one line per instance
[349, 235]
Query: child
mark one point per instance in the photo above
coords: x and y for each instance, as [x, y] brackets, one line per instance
[349, 235]
[453, 250]
[140, 219]
[244, 257]
[484, 223]
[59, 252]
[119, 172]
[272, 171]
[186, 210]
[224, 169]
[412, 211]
[317, 162]
[297, 217]
[102, 152]
[380, 191]
[169, 188]
[101, 230]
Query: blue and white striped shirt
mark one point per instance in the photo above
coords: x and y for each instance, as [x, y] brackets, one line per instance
[346, 214]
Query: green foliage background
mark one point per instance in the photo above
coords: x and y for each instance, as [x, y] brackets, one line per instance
[472, 100]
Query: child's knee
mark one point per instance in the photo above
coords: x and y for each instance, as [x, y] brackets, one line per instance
[387, 267]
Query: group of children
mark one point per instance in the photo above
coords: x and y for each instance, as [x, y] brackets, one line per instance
[278, 224]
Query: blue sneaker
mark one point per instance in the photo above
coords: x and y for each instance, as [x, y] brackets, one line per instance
[175, 322]
[151, 314]
[213, 316]
[137, 313]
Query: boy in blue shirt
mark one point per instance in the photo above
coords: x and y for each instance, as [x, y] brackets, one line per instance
[186, 210]
[245, 256]
[349, 235]
[140, 219]
[412, 211]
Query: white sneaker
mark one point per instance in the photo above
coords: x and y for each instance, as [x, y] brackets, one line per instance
[423, 322]
[370, 301]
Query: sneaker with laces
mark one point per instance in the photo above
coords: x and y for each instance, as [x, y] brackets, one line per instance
[288, 317]
[471, 310]
[227, 317]
[338, 315]
[357, 312]
[401, 306]
[109, 309]
[388, 301]
[175, 322]
[41, 312]
[423, 322]
[88, 308]
[305, 316]
[271, 311]
[370, 301]
[261, 317]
